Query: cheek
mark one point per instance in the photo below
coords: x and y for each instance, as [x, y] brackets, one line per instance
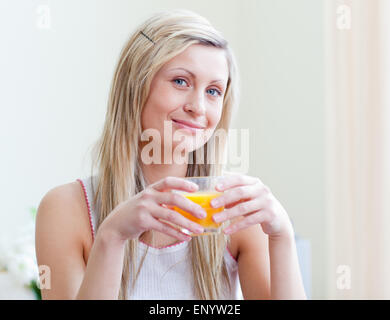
[146, 119]
[214, 115]
[160, 103]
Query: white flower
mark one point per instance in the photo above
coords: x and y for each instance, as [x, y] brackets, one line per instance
[23, 268]
[4, 253]
[18, 256]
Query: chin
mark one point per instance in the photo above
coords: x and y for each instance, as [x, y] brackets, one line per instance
[181, 151]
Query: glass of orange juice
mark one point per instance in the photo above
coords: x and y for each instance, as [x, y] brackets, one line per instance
[205, 193]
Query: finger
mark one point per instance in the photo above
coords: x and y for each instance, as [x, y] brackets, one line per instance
[177, 183]
[255, 218]
[176, 218]
[168, 230]
[178, 200]
[240, 209]
[235, 180]
[231, 205]
[236, 194]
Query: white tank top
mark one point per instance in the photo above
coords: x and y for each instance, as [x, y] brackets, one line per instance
[166, 272]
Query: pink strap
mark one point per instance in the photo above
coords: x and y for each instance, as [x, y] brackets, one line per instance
[228, 250]
[89, 208]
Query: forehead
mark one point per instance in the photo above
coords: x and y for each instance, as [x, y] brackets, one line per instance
[203, 61]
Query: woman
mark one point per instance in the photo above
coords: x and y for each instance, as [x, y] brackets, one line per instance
[176, 71]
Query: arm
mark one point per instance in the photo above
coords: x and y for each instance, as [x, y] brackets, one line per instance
[268, 267]
[106, 258]
[61, 229]
[286, 280]
[253, 263]
[248, 198]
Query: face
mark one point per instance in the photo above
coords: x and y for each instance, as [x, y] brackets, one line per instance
[187, 95]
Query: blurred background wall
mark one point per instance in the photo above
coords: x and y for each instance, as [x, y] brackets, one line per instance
[357, 148]
[55, 77]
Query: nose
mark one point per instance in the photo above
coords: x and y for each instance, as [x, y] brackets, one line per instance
[196, 105]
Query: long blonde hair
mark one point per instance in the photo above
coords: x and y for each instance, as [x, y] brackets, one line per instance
[116, 153]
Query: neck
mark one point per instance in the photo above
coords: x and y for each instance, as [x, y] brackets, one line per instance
[156, 172]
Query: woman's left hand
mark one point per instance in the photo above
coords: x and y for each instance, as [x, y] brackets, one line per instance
[248, 197]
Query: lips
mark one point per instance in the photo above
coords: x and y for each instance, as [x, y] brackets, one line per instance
[189, 124]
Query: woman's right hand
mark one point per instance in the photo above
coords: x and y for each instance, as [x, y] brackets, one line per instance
[143, 212]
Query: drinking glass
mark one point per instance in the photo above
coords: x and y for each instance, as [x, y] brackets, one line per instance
[205, 193]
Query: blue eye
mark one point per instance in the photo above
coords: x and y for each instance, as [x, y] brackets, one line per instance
[179, 81]
[216, 92]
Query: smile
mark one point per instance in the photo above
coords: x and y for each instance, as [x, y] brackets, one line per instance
[193, 127]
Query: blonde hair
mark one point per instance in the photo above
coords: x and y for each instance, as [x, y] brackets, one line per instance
[116, 153]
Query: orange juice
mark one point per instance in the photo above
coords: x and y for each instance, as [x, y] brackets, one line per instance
[203, 199]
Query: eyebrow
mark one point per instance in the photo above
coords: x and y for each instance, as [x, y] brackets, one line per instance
[193, 75]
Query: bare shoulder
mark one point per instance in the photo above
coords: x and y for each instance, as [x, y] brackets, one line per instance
[63, 238]
[70, 191]
[65, 207]
[66, 192]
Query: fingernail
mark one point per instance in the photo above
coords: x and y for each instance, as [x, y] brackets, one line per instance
[202, 214]
[193, 186]
[217, 218]
[215, 203]
[199, 230]
[219, 185]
